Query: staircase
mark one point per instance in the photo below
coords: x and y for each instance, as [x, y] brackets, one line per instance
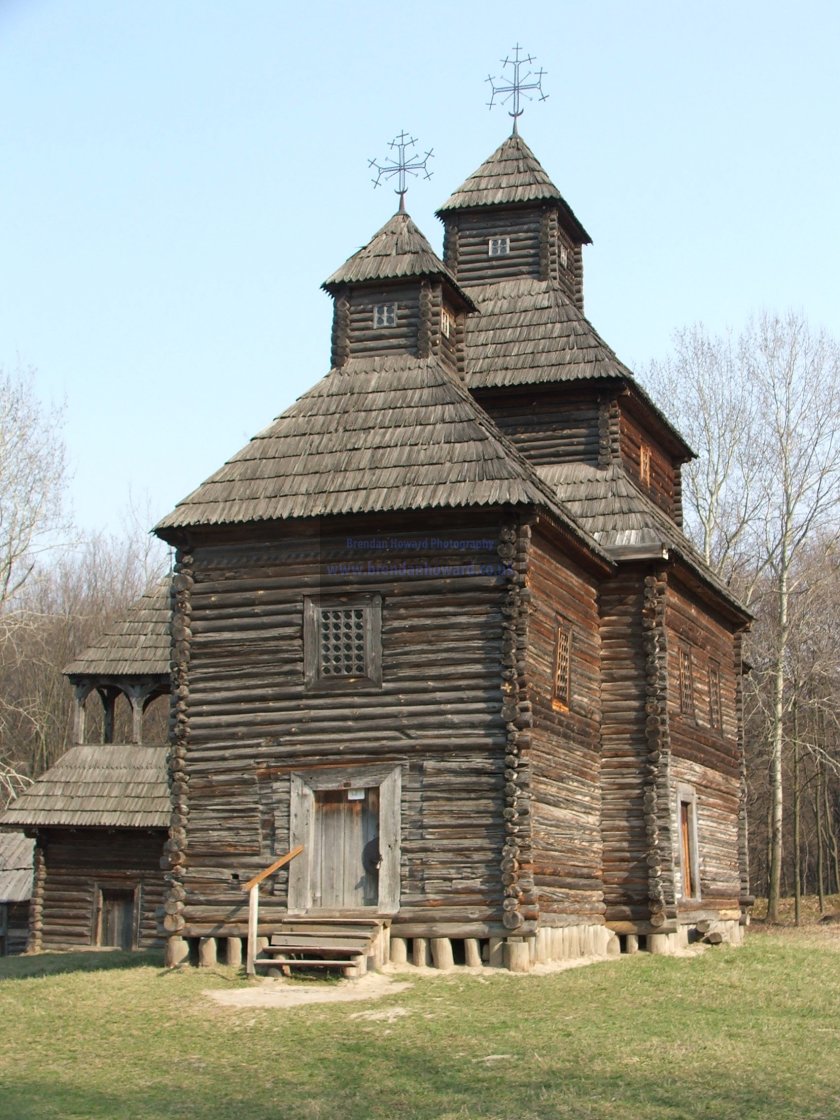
[350, 946]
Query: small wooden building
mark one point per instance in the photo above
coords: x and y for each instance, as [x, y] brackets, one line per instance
[15, 891]
[438, 627]
[99, 817]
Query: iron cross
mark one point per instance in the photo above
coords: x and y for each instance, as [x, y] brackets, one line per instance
[404, 164]
[518, 85]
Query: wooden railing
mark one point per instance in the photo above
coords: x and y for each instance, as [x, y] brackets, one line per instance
[253, 889]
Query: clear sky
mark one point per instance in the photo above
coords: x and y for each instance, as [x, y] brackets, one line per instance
[179, 176]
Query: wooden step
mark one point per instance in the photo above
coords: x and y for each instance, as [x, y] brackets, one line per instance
[297, 945]
[301, 962]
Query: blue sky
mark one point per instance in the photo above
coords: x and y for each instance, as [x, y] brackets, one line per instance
[179, 176]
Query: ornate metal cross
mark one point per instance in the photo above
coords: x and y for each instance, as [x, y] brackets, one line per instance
[518, 85]
[404, 164]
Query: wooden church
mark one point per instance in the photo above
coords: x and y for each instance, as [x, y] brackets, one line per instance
[448, 682]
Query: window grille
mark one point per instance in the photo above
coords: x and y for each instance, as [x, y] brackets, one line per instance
[563, 664]
[447, 322]
[385, 315]
[686, 683]
[498, 246]
[342, 639]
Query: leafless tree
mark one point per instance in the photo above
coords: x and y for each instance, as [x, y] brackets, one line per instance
[32, 480]
[764, 413]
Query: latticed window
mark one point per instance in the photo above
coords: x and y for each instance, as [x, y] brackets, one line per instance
[498, 246]
[341, 649]
[447, 322]
[341, 642]
[686, 683]
[563, 664]
[715, 711]
[385, 315]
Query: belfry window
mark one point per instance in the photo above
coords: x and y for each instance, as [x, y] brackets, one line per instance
[498, 246]
[385, 315]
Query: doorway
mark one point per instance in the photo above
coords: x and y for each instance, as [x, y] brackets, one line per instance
[348, 821]
[346, 858]
[116, 918]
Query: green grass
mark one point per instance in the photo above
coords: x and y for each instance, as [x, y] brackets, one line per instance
[741, 1033]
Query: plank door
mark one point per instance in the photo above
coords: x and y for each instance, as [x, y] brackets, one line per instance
[345, 868]
[117, 919]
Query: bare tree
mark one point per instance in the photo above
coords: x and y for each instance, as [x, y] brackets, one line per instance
[764, 413]
[719, 416]
[32, 480]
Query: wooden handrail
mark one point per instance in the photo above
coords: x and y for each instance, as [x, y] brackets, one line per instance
[278, 863]
[253, 889]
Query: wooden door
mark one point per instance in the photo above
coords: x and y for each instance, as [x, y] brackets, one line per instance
[116, 926]
[345, 860]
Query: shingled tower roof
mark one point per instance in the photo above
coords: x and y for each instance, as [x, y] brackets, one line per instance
[398, 251]
[512, 175]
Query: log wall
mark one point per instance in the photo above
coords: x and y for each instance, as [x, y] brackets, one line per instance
[470, 259]
[705, 752]
[364, 338]
[250, 721]
[662, 487]
[624, 747]
[548, 426]
[565, 741]
[80, 862]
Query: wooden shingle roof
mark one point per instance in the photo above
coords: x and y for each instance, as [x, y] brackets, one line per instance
[15, 867]
[529, 332]
[135, 645]
[113, 786]
[397, 251]
[625, 522]
[512, 176]
[376, 434]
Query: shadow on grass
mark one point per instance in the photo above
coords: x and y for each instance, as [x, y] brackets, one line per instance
[56, 964]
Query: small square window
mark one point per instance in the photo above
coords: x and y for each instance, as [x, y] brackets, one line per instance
[686, 683]
[562, 693]
[447, 322]
[341, 639]
[498, 246]
[385, 315]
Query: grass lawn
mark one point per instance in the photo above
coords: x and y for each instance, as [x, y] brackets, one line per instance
[751, 1032]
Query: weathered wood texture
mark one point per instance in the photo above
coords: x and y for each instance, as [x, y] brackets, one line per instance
[548, 426]
[365, 338]
[475, 265]
[705, 750]
[624, 748]
[250, 721]
[565, 746]
[81, 863]
[660, 484]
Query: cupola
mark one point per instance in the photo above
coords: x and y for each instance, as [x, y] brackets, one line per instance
[395, 296]
[508, 221]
